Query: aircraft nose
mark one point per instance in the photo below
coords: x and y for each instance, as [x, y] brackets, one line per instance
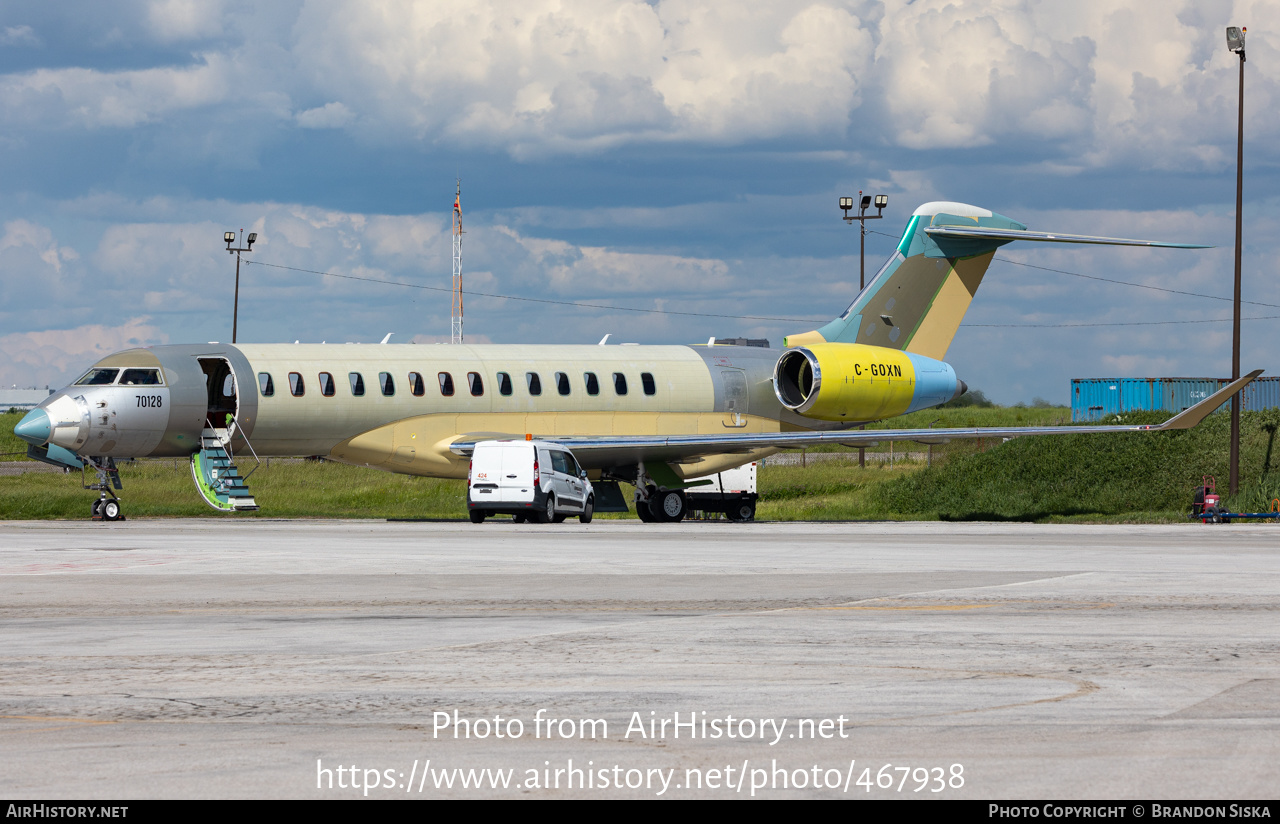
[34, 428]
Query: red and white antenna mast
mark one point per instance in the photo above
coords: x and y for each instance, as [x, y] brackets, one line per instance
[457, 264]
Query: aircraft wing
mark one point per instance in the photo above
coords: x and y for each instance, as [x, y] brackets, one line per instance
[1047, 237]
[596, 452]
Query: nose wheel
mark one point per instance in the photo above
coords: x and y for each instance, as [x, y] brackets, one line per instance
[107, 509]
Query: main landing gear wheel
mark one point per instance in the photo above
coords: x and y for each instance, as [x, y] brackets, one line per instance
[111, 510]
[588, 511]
[668, 507]
[477, 516]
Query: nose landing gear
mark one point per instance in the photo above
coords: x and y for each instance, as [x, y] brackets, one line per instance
[108, 480]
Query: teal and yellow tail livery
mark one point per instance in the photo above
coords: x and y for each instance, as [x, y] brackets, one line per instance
[917, 300]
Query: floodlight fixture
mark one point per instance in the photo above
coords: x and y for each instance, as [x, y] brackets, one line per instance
[252, 237]
[229, 237]
[1235, 39]
[866, 202]
[846, 203]
[881, 202]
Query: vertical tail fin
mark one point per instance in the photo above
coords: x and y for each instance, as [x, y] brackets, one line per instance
[919, 297]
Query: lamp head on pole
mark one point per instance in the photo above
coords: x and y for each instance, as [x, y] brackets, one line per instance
[846, 203]
[1235, 39]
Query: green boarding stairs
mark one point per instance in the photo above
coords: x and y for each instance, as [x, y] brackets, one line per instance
[215, 472]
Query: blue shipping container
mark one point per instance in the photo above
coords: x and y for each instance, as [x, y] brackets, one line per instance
[1093, 399]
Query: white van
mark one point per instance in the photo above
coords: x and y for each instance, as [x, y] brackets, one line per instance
[534, 481]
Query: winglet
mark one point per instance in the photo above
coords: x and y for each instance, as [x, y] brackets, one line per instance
[1191, 416]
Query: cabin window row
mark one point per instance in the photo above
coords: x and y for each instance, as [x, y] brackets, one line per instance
[474, 384]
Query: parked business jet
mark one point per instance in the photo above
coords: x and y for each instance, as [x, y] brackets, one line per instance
[650, 416]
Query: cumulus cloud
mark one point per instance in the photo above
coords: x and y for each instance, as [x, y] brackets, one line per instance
[96, 99]
[329, 116]
[54, 357]
[19, 36]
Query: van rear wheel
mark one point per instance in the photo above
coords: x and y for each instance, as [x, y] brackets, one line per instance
[549, 514]
[477, 516]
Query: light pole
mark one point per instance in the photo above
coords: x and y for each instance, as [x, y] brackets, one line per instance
[230, 238]
[1235, 43]
[864, 201]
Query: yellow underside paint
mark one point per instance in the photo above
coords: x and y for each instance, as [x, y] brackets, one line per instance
[420, 445]
[861, 383]
[803, 339]
[938, 327]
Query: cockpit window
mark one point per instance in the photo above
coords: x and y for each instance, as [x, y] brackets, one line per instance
[98, 377]
[140, 377]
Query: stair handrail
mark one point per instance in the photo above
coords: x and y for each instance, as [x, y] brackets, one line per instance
[232, 426]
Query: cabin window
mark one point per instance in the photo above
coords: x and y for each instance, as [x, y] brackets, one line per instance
[265, 385]
[357, 384]
[388, 385]
[593, 385]
[562, 383]
[417, 385]
[327, 386]
[535, 383]
[446, 384]
[504, 383]
[646, 379]
[619, 383]
[475, 383]
[296, 385]
[98, 377]
[229, 386]
[140, 377]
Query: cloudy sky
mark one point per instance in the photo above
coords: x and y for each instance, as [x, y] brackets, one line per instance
[677, 156]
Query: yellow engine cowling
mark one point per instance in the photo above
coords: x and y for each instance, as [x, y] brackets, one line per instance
[855, 382]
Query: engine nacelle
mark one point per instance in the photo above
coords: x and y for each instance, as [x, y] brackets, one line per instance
[855, 382]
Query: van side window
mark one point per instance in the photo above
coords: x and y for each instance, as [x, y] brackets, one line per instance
[417, 385]
[649, 387]
[357, 384]
[593, 385]
[558, 462]
[476, 384]
[535, 383]
[562, 383]
[296, 386]
[571, 465]
[327, 386]
[619, 383]
[387, 384]
[265, 385]
[446, 384]
[504, 383]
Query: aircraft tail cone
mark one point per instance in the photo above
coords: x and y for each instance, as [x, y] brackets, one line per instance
[961, 388]
[34, 428]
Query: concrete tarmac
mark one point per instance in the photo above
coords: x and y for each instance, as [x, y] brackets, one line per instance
[330, 659]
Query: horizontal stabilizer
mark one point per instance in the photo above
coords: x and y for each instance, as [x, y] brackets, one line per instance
[983, 233]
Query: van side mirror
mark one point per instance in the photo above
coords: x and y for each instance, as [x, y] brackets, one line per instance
[582, 473]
